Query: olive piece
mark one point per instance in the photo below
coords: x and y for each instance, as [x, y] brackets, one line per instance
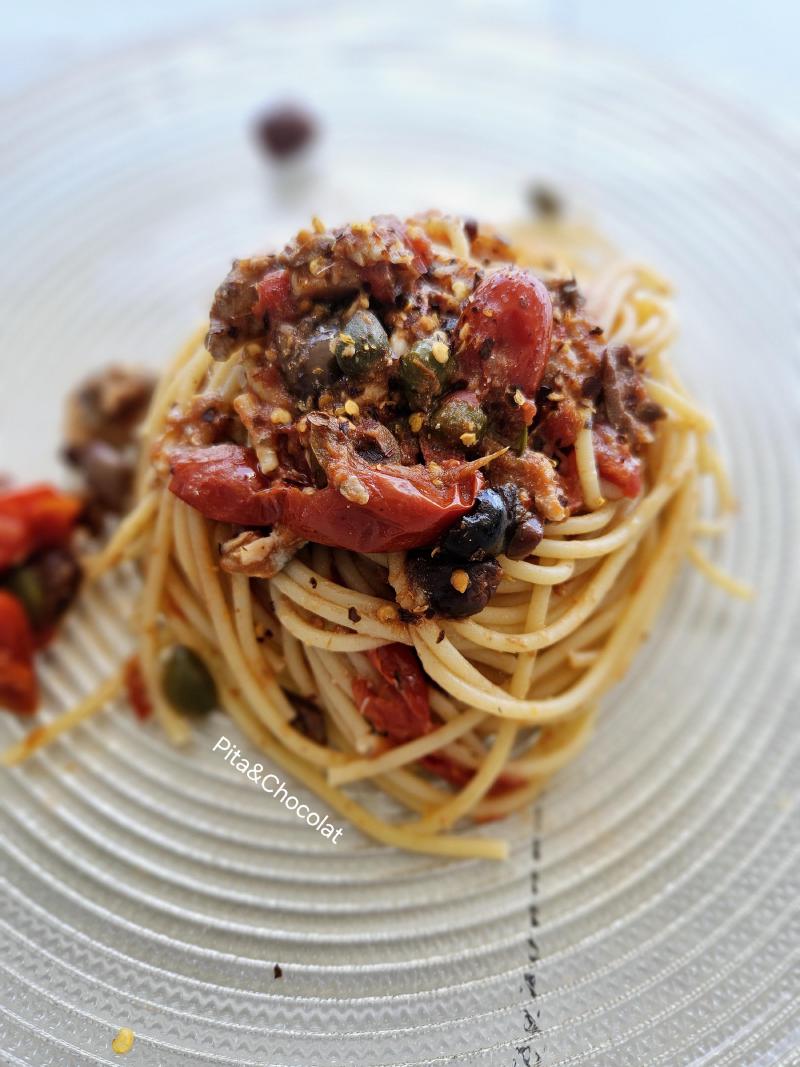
[526, 538]
[545, 201]
[108, 473]
[360, 344]
[285, 130]
[26, 585]
[422, 374]
[482, 532]
[46, 585]
[309, 720]
[454, 588]
[459, 417]
[187, 682]
[311, 367]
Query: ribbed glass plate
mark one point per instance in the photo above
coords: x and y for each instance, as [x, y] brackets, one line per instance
[650, 913]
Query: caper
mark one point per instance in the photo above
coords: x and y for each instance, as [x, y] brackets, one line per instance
[26, 585]
[360, 344]
[422, 374]
[459, 418]
[187, 682]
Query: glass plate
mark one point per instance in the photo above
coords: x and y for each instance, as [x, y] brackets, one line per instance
[650, 911]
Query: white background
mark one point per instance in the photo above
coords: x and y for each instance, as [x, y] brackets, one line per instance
[745, 50]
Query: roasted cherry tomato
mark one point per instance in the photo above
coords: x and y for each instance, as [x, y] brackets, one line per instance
[32, 518]
[19, 690]
[505, 329]
[400, 507]
[398, 704]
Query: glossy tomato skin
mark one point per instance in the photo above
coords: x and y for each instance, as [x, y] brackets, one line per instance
[505, 329]
[33, 518]
[223, 483]
[405, 508]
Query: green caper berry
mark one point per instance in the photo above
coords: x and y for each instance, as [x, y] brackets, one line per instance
[187, 682]
[361, 344]
[457, 416]
[422, 375]
[26, 585]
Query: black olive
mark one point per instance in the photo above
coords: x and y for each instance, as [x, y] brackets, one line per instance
[454, 588]
[108, 473]
[285, 130]
[487, 528]
[482, 531]
[309, 720]
[526, 538]
[312, 366]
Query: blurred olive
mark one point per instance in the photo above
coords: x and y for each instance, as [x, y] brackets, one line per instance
[187, 682]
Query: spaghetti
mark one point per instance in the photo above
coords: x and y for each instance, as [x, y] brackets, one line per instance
[510, 689]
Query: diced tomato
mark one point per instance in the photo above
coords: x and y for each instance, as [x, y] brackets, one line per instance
[274, 297]
[418, 240]
[137, 690]
[33, 518]
[560, 427]
[398, 704]
[505, 328]
[388, 230]
[615, 461]
[398, 665]
[383, 285]
[405, 508]
[19, 689]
